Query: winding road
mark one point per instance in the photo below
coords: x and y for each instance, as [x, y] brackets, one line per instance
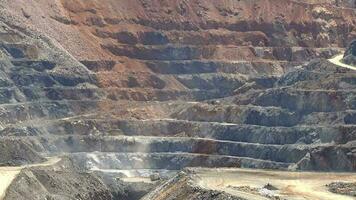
[337, 61]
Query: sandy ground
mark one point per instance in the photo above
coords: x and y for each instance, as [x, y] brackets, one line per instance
[337, 61]
[8, 174]
[137, 180]
[138, 175]
[291, 185]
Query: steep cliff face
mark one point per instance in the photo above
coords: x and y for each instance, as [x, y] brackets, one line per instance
[350, 54]
[162, 85]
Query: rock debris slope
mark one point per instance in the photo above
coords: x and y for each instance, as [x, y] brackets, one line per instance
[133, 86]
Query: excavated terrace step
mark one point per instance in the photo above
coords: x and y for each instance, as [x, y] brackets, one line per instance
[249, 68]
[135, 94]
[268, 115]
[33, 120]
[124, 144]
[169, 161]
[37, 65]
[25, 94]
[199, 37]
[30, 79]
[214, 52]
[211, 130]
[191, 111]
[212, 81]
[241, 25]
[207, 81]
[20, 50]
[238, 114]
[37, 110]
[307, 101]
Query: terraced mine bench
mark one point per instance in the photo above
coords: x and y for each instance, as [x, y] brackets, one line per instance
[129, 93]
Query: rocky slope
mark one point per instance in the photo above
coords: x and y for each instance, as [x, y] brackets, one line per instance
[132, 85]
[350, 54]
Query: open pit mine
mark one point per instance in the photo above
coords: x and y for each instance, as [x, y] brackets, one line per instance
[177, 99]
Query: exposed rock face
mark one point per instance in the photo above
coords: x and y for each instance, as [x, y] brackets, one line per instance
[181, 187]
[62, 181]
[163, 85]
[17, 152]
[350, 54]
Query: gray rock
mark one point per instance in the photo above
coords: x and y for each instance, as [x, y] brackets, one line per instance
[350, 54]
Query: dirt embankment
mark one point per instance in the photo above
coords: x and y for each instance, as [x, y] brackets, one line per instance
[8, 174]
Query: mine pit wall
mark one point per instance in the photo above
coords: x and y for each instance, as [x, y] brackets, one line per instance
[155, 57]
[58, 93]
[93, 16]
[177, 153]
[66, 92]
[88, 15]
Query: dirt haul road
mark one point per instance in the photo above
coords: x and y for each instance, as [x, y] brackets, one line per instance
[8, 174]
[249, 184]
[337, 61]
